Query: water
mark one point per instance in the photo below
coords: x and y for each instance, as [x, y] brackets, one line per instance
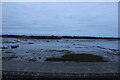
[42, 48]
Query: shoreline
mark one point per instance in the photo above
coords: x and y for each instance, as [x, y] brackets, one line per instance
[55, 37]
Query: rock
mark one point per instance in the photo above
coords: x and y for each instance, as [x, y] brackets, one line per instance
[25, 40]
[39, 57]
[47, 41]
[33, 53]
[32, 59]
[15, 46]
[30, 43]
[117, 54]
[16, 41]
[4, 47]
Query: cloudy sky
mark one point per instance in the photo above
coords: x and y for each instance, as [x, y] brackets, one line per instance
[61, 18]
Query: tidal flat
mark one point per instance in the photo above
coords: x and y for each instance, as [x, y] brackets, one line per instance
[74, 57]
[42, 50]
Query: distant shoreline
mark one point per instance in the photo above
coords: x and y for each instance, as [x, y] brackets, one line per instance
[55, 37]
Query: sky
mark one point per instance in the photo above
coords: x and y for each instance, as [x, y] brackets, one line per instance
[60, 18]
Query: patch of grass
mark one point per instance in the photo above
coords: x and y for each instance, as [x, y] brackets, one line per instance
[8, 52]
[78, 58]
[3, 47]
[66, 51]
[11, 42]
[101, 47]
[81, 47]
[31, 59]
[117, 54]
[15, 46]
[78, 47]
[114, 50]
[10, 57]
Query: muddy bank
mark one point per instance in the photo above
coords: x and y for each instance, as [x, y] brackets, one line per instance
[41, 49]
[28, 56]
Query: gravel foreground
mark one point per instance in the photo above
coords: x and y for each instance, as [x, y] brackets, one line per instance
[59, 70]
[71, 76]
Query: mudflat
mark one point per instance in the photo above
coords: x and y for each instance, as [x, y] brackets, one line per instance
[59, 57]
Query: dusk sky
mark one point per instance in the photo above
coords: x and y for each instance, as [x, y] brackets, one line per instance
[61, 18]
